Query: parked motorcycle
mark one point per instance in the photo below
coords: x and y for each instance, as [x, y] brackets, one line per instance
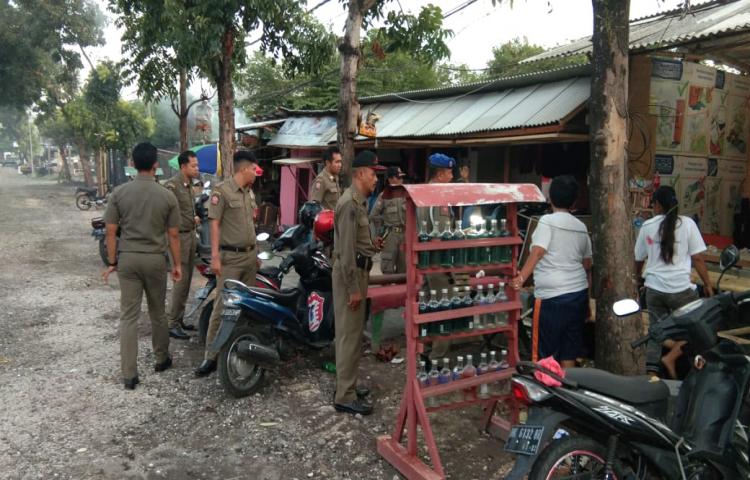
[99, 233]
[599, 425]
[257, 322]
[86, 197]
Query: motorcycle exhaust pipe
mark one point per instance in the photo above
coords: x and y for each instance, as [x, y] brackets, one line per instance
[258, 354]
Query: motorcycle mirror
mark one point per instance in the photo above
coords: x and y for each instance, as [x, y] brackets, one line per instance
[623, 308]
[265, 255]
[729, 258]
[262, 237]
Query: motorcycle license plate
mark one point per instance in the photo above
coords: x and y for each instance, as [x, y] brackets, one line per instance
[524, 439]
[202, 293]
[231, 312]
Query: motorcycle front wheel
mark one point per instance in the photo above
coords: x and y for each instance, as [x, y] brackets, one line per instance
[103, 251]
[239, 377]
[573, 457]
[83, 202]
[203, 322]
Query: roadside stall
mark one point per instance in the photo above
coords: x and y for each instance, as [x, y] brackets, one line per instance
[471, 316]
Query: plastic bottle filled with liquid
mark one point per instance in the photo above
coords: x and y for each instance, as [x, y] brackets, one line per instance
[496, 252]
[423, 327]
[423, 259]
[507, 251]
[485, 253]
[482, 368]
[479, 300]
[458, 324]
[459, 254]
[469, 371]
[472, 253]
[435, 255]
[490, 320]
[458, 371]
[434, 377]
[445, 304]
[432, 306]
[468, 302]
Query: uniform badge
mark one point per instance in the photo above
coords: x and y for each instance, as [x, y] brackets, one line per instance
[214, 199]
[318, 185]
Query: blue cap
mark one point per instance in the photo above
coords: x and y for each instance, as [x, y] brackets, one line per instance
[441, 160]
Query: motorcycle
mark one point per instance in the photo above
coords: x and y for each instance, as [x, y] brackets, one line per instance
[86, 197]
[595, 424]
[256, 322]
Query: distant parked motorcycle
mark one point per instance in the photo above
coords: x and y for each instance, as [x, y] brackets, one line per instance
[86, 197]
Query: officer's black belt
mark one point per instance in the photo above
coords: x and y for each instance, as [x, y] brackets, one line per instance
[365, 263]
[229, 248]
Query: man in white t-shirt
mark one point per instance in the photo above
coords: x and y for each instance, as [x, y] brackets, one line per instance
[672, 245]
[560, 259]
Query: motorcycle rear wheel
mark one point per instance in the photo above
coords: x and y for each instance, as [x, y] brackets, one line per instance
[239, 377]
[103, 251]
[83, 202]
[572, 456]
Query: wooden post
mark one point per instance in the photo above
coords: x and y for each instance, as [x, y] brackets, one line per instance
[612, 241]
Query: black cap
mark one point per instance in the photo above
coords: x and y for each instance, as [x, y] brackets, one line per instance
[394, 172]
[366, 158]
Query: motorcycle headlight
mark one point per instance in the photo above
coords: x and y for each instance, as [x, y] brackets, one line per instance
[231, 299]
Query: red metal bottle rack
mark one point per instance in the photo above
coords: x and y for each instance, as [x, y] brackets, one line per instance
[413, 411]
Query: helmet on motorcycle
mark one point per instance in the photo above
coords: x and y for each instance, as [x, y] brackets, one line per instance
[308, 212]
[324, 226]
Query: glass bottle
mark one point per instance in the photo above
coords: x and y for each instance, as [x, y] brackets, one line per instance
[507, 251]
[446, 376]
[424, 327]
[469, 371]
[434, 378]
[459, 254]
[479, 300]
[423, 260]
[472, 258]
[489, 318]
[424, 379]
[446, 256]
[504, 359]
[494, 365]
[435, 255]
[432, 306]
[496, 253]
[458, 371]
[484, 252]
[468, 302]
[445, 304]
[484, 389]
[458, 324]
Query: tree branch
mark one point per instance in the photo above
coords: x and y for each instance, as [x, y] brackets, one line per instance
[86, 56]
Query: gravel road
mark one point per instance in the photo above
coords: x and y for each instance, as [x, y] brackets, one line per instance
[64, 413]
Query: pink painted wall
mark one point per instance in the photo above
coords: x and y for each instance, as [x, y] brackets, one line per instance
[290, 195]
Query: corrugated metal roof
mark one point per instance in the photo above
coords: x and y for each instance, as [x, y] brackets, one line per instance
[299, 132]
[527, 106]
[672, 28]
[260, 124]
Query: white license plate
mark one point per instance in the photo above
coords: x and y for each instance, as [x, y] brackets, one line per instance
[231, 312]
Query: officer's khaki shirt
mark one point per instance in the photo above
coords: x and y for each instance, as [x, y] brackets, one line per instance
[388, 212]
[325, 190]
[351, 234]
[144, 210]
[184, 194]
[234, 208]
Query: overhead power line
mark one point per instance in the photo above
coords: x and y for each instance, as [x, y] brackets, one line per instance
[464, 5]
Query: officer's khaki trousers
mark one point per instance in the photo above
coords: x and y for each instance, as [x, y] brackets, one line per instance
[181, 289]
[350, 325]
[139, 273]
[234, 266]
[392, 259]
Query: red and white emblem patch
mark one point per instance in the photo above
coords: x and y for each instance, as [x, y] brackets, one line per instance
[318, 185]
[315, 304]
[214, 200]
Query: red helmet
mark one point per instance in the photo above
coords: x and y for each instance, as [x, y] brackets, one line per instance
[323, 226]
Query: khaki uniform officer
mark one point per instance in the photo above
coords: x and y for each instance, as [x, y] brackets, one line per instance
[326, 190]
[352, 260]
[233, 254]
[389, 214]
[441, 171]
[145, 212]
[180, 186]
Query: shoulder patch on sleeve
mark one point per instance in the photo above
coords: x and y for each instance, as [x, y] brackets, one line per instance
[215, 199]
[318, 185]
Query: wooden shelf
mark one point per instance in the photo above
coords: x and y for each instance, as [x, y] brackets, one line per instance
[491, 268]
[482, 242]
[465, 383]
[467, 334]
[466, 312]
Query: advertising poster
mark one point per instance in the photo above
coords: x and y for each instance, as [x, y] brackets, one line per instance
[736, 122]
[667, 102]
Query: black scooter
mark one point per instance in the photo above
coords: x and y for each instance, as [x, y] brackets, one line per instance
[603, 426]
[87, 197]
[257, 322]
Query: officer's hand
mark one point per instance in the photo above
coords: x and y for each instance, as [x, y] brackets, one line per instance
[379, 243]
[176, 273]
[216, 266]
[354, 300]
[107, 272]
[197, 220]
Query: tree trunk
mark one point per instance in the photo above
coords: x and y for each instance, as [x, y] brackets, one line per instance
[83, 156]
[183, 115]
[64, 167]
[612, 235]
[348, 107]
[225, 91]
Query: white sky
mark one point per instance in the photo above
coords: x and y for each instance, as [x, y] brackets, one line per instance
[477, 28]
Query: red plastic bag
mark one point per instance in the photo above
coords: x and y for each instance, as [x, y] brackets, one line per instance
[550, 364]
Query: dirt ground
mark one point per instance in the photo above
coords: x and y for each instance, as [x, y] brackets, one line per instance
[66, 415]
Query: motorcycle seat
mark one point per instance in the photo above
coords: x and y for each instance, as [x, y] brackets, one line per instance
[287, 297]
[89, 190]
[633, 390]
